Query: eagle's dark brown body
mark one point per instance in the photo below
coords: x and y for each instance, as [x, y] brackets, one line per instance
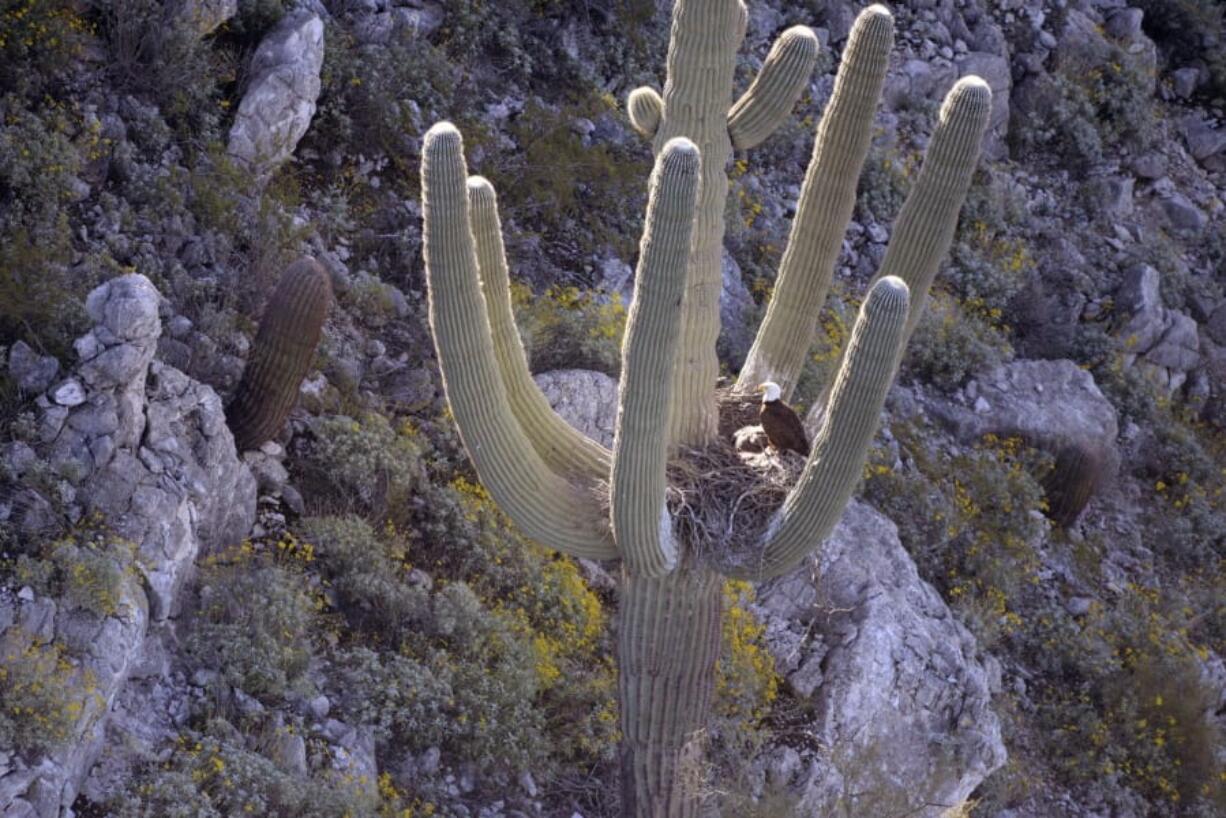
[783, 428]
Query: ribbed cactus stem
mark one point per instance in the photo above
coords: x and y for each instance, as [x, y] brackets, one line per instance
[563, 448]
[853, 413]
[281, 355]
[697, 95]
[641, 527]
[646, 108]
[926, 223]
[769, 100]
[827, 199]
[545, 506]
[667, 646]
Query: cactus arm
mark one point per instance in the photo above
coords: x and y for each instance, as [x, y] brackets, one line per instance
[697, 95]
[926, 223]
[563, 448]
[641, 526]
[827, 199]
[835, 466]
[281, 355]
[770, 97]
[548, 508]
[646, 108]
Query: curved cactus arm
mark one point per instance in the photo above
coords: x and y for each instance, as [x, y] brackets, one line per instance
[769, 100]
[548, 508]
[641, 525]
[926, 223]
[837, 461]
[646, 108]
[697, 94]
[827, 199]
[564, 449]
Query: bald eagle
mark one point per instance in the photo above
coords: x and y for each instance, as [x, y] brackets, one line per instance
[783, 429]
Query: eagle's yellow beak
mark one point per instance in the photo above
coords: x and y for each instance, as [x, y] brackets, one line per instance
[760, 388]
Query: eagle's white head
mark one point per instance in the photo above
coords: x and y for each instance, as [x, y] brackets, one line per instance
[770, 391]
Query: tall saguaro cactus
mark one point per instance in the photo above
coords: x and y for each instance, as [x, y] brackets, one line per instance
[545, 475]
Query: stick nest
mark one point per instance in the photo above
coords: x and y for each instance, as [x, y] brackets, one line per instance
[722, 499]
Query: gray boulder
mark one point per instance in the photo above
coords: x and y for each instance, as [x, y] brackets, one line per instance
[146, 450]
[1163, 343]
[30, 371]
[1054, 406]
[585, 399]
[900, 697]
[280, 101]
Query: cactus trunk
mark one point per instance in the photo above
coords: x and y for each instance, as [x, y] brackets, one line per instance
[667, 647]
[697, 96]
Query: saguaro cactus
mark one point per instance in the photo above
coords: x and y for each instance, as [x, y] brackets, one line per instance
[281, 355]
[547, 477]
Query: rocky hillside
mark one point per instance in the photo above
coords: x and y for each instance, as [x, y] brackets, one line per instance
[1022, 614]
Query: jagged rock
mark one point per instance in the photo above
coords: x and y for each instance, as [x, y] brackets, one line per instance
[280, 101]
[1178, 213]
[1163, 342]
[1206, 143]
[902, 701]
[30, 371]
[585, 399]
[146, 450]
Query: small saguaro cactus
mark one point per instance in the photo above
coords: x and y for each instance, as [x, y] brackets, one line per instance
[281, 355]
[570, 493]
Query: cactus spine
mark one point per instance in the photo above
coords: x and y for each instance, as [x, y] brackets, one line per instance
[668, 633]
[281, 355]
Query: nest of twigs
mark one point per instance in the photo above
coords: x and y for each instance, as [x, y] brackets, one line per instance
[722, 496]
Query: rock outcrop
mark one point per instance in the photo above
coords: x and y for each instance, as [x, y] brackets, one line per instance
[141, 451]
[1054, 406]
[901, 700]
[280, 101]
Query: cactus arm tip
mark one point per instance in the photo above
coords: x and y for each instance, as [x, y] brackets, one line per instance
[837, 461]
[547, 507]
[773, 93]
[646, 109]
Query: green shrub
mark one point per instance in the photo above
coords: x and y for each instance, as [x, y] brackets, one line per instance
[256, 623]
[364, 464]
[569, 328]
[368, 573]
[212, 774]
[162, 58]
[86, 570]
[1082, 113]
[39, 301]
[43, 694]
[40, 44]
[952, 342]
[396, 697]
